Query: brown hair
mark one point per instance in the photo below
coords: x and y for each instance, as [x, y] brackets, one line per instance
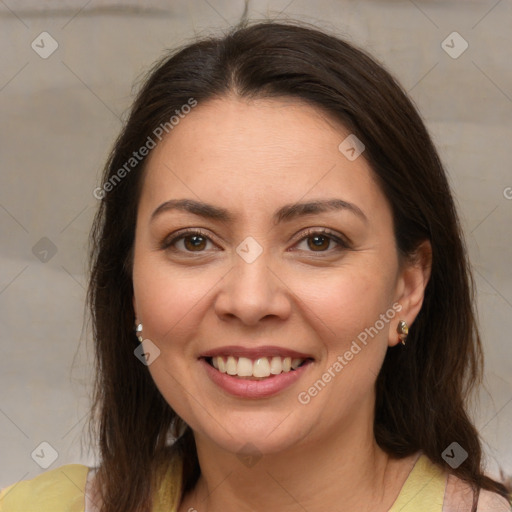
[423, 388]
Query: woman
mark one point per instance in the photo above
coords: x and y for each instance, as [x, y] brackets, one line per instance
[279, 282]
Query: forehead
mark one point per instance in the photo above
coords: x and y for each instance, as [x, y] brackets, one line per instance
[238, 128]
[254, 155]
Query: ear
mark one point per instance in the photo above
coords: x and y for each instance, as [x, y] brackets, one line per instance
[410, 288]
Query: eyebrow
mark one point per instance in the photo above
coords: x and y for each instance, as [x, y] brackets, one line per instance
[284, 214]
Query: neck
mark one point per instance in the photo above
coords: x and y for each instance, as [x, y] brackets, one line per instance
[347, 468]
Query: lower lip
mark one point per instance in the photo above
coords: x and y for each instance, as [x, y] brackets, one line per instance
[246, 388]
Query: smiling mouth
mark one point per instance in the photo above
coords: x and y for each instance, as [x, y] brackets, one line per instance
[257, 369]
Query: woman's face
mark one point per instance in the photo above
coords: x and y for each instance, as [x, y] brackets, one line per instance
[259, 288]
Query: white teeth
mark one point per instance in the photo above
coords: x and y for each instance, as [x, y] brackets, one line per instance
[261, 367]
[244, 368]
[296, 363]
[231, 366]
[276, 365]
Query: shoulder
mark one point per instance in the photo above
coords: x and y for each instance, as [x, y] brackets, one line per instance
[430, 488]
[492, 502]
[58, 490]
[459, 497]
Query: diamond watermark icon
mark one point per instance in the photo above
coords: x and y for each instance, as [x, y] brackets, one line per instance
[454, 45]
[44, 45]
[454, 455]
[44, 250]
[147, 352]
[351, 147]
[44, 455]
[249, 455]
[249, 250]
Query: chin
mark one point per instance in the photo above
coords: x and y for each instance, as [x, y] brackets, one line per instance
[257, 435]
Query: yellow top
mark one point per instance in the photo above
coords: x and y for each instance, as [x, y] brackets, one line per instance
[60, 489]
[424, 489]
[63, 490]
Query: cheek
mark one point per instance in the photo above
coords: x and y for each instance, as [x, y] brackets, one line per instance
[168, 302]
[345, 301]
[350, 311]
[169, 299]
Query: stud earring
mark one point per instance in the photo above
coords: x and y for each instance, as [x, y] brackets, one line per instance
[403, 331]
[138, 330]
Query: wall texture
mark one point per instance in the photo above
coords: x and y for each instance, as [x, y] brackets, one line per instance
[66, 80]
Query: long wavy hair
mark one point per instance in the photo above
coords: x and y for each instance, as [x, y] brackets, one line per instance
[422, 390]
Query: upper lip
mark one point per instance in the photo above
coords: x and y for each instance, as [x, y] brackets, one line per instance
[255, 352]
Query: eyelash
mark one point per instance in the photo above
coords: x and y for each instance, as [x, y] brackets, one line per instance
[168, 243]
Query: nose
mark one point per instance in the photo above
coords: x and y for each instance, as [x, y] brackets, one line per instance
[253, 291]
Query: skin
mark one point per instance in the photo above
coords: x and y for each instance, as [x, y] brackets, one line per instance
[252, 157]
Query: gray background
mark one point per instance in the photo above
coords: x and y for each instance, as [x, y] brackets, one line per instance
[60, 115]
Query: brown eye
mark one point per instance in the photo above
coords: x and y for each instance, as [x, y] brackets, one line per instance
[186, 242]
[194, 242]
[320, 242]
